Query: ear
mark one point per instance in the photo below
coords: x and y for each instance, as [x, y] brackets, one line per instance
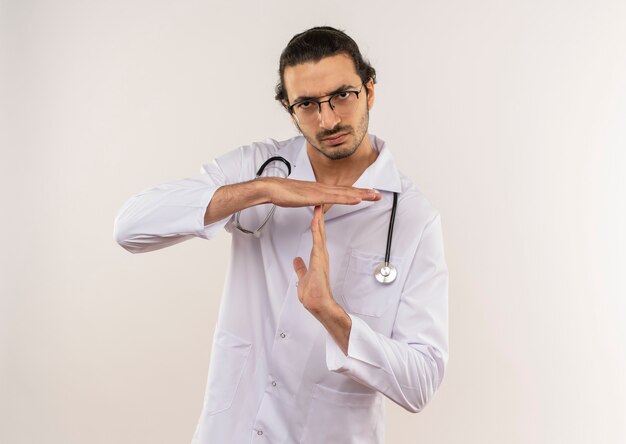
[370, 93]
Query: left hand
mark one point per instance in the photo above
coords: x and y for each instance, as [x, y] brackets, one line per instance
[314, 283]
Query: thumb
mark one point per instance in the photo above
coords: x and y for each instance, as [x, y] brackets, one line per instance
[299, 267]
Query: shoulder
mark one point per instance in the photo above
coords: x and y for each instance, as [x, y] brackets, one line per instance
[416, 204]
[270, 147]
[415, 211]
[257, 152]
[246, 159]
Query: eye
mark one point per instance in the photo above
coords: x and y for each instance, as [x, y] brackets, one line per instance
[305, 105]
[343, 95]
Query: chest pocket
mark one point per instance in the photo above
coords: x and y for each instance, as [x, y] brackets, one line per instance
[362, 293]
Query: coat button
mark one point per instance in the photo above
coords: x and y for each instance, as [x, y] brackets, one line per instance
[259, 432]
[282, 335]
[274, 383]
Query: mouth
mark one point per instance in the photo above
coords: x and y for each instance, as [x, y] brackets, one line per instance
[336, 139]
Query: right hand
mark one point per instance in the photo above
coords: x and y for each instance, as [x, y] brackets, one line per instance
[300, 193]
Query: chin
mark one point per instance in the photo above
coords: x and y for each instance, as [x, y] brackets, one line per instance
[339, 153]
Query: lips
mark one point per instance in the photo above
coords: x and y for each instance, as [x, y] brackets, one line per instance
[336, 139]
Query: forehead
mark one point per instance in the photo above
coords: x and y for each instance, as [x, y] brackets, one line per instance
[314, 79]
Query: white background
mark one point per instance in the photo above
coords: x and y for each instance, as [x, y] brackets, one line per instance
[509, 115]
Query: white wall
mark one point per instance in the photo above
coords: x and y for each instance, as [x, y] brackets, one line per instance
[510, 116]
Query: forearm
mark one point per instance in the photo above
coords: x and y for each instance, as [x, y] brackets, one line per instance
[229, 199]
[338, 324]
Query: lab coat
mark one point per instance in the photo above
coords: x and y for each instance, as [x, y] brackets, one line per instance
[275, 374]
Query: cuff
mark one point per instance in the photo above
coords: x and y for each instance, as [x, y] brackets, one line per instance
[211, 230]
[359, 343]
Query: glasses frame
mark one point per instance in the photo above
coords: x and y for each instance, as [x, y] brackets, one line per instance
[319, 102]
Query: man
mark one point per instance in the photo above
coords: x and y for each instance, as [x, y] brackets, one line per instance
[305, 349]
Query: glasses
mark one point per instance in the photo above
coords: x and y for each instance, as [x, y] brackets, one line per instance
[342, 103]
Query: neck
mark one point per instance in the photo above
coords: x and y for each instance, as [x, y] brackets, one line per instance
[342, 172]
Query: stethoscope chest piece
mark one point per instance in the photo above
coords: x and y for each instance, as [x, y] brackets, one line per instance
[385, 273]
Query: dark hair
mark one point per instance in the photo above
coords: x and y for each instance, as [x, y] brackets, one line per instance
[313, 45]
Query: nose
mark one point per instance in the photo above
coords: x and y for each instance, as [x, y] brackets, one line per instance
[328, 117]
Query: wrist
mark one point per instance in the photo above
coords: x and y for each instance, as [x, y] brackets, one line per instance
[263, 187]
[338, 324]
[329, 312]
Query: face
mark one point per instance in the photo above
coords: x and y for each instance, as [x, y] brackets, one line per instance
[333, 135]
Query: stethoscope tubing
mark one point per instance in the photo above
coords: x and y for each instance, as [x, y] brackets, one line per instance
[391, 224]
[274, 159]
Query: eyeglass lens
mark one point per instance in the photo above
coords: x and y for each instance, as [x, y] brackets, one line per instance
[342, 104]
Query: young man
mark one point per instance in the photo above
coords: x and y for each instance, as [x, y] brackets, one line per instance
[304, 350]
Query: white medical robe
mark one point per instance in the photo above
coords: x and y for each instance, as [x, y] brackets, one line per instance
[276, 375]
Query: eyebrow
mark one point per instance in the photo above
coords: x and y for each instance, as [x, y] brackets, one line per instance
[338, 90]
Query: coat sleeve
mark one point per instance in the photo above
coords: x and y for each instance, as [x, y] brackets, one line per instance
[172, 212]
[407, 367]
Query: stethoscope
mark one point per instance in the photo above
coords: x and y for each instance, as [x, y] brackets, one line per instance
[257, 233]
[385, 272]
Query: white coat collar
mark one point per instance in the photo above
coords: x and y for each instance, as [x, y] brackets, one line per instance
[382, 175]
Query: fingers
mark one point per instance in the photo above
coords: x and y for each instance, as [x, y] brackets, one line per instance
[371, 194]
[350, 195]
[318, 231]
[299, 267]
[315, 228]
[315, 224]
[295, 193]
[322, 224]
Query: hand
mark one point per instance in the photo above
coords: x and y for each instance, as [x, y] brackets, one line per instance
[300, 193]
[314, 283]
[314, 286]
